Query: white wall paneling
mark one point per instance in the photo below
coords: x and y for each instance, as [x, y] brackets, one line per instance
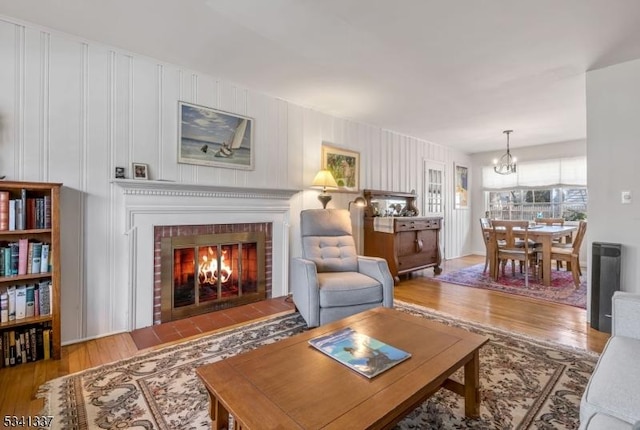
[71, 110]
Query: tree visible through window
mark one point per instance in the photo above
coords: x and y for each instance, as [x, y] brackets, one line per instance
[527, 204]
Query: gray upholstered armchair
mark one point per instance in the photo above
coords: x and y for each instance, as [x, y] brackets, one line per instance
[331, 281]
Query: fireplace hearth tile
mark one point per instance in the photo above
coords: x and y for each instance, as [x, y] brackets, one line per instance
[184, 324]
[170, 337]
[209, 322]
[190, 331]
[145, 337]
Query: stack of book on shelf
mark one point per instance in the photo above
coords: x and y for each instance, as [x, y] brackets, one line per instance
[24, 213]
[24, 257]
[29, 342]
[25, 301]
[25, 344]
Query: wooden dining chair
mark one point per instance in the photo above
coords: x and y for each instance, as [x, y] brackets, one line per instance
[513, 249]
[553, 221]
[550, 221]
[485, 228]
[572, 255]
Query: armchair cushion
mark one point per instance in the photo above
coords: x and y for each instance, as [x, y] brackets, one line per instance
[327, 240]
[331, 254]
[348, 289]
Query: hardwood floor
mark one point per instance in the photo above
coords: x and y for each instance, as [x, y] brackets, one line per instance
[544, 320]
[559, 323]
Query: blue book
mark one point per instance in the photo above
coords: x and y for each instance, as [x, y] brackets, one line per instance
[36, 257]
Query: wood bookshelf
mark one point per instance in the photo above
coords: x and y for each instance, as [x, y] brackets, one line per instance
[42, 234]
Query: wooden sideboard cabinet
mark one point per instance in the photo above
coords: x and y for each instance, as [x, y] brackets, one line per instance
[408, 243]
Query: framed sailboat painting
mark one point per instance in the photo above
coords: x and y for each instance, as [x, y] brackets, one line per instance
[211, 137]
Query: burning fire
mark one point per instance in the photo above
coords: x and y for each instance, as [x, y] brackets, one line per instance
[208, 272]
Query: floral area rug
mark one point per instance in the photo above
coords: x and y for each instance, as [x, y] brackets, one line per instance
[562, 290]
[524, 383]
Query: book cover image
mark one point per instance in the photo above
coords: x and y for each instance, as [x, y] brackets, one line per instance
[364, 354]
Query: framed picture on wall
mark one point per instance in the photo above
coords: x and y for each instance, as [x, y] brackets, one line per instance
[461, 184]
[344, 165]
[211, 137]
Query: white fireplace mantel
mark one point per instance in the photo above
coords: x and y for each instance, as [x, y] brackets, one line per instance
[170, 188]
[146, 204]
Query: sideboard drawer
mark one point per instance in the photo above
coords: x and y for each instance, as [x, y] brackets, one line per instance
[416, 261]
[421, 224]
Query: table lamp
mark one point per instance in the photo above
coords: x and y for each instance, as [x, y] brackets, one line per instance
[324, 180]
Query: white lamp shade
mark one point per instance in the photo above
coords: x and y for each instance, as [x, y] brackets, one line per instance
[325, 180]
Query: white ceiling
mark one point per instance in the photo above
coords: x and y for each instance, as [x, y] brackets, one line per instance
[454, 72]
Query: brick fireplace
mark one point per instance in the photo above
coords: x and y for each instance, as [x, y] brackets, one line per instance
[176, 206]
[204, 268]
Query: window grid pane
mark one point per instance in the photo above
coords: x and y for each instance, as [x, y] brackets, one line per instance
[434, 195]
[567, 203]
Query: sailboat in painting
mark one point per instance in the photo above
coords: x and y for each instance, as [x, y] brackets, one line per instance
[226, 151]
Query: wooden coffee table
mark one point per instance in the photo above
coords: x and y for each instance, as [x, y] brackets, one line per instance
[291, 385]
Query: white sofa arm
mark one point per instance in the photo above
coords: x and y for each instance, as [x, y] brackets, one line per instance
[303, 284]
[626, 314]
[378, 269]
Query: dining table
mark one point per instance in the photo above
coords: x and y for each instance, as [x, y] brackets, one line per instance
[544, 235]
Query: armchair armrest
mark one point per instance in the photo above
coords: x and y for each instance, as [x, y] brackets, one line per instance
[303, 284]
[378, 269]
[626, 314]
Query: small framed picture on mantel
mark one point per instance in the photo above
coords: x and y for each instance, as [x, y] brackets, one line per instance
[140, 171]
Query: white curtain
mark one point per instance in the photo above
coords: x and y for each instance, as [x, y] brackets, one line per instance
[561, 172]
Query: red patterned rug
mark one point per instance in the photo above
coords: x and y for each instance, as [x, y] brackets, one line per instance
[561, 290]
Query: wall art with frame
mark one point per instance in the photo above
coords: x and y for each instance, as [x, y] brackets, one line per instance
[344, 165]
[140, 170]
[211, 137]
[461, 184]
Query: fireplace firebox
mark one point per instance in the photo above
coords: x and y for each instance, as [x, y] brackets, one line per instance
[203, 273]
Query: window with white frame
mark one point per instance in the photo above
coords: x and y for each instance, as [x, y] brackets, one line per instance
[548, 188]
[568, 203]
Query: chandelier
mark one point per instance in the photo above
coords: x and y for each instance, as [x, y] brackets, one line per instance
[506, 165]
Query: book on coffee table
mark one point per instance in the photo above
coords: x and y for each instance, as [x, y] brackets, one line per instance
[364, 354]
